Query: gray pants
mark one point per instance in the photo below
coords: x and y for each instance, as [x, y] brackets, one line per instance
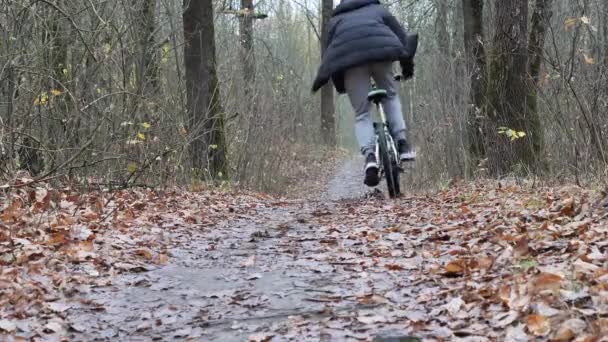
[357, 83]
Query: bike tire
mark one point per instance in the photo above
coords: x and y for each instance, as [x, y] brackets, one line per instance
[391, 169]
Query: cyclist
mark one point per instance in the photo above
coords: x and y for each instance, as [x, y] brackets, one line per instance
[364, 39]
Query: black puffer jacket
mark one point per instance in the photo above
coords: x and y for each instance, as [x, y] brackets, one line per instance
[360, 32]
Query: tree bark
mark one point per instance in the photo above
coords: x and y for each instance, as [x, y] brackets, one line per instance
[149, 67]
[541, 19]
[508, 94]
[476, 65]
[441, 27]
[328, 120]
[247, 53]
[205, 117]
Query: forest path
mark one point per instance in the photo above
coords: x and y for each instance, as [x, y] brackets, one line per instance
[475, 262]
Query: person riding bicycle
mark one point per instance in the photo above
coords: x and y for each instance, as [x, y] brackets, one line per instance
[364, 39]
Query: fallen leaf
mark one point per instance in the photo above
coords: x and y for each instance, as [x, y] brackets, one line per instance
[516, 334]
[455, 267]
[454, 305]
[58, 307]
[393, 267]
[545, 310]
[538, 325]
[521, 248]
[371, 319]
[584, 267]
[163, 259]
[547, 281]
[53, 327]
[570, 329]
[8, 326]
[144, 253]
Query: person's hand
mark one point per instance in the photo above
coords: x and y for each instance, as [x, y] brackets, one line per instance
[407, 68]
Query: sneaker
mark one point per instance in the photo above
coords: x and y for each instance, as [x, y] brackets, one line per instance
[371, 171]
[405, 151]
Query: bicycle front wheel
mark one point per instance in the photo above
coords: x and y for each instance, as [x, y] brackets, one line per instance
[389, 164]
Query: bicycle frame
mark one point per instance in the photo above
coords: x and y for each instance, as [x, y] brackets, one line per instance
[385, 126]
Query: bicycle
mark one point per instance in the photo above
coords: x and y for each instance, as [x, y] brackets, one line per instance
[386, 149]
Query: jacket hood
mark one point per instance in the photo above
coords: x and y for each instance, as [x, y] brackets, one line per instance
[351, 5]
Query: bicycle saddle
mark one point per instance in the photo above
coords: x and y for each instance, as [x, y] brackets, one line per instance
[377, 95]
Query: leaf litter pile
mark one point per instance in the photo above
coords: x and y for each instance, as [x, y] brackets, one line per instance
[476, 262]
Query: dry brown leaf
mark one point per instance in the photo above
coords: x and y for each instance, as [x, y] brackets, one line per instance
[521, 248]
[567, 207]
[569, 329]
[485, 263]
[538, 325]
[547, 281]
[163, 259]
[144, 253]
[455, 267]
[393, 267]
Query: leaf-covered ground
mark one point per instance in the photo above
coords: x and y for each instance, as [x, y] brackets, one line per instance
[484, 261]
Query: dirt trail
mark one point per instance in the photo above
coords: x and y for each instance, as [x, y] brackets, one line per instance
[263, 274]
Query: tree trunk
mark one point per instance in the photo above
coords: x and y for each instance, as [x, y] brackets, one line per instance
[205, 117]
[476, 65]
[328, 120]
[541, 19]
[62, 130]
[509, 94]
[247, 53]
[149, 67]
[441, 27]
[604, 17]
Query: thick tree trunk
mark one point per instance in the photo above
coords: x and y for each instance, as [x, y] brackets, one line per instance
[328, 119]
[476, 65]
[205, 117]
[509, 93]
[541, 19]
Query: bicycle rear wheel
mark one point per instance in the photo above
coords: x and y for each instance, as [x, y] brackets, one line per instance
[389, 164]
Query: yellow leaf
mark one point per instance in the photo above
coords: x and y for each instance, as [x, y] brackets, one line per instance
[588, 59]
[41, 99]
[65, 71]
[141, 136]
[569, 23]
[55, 92]
[131, 167]
[146, 125]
